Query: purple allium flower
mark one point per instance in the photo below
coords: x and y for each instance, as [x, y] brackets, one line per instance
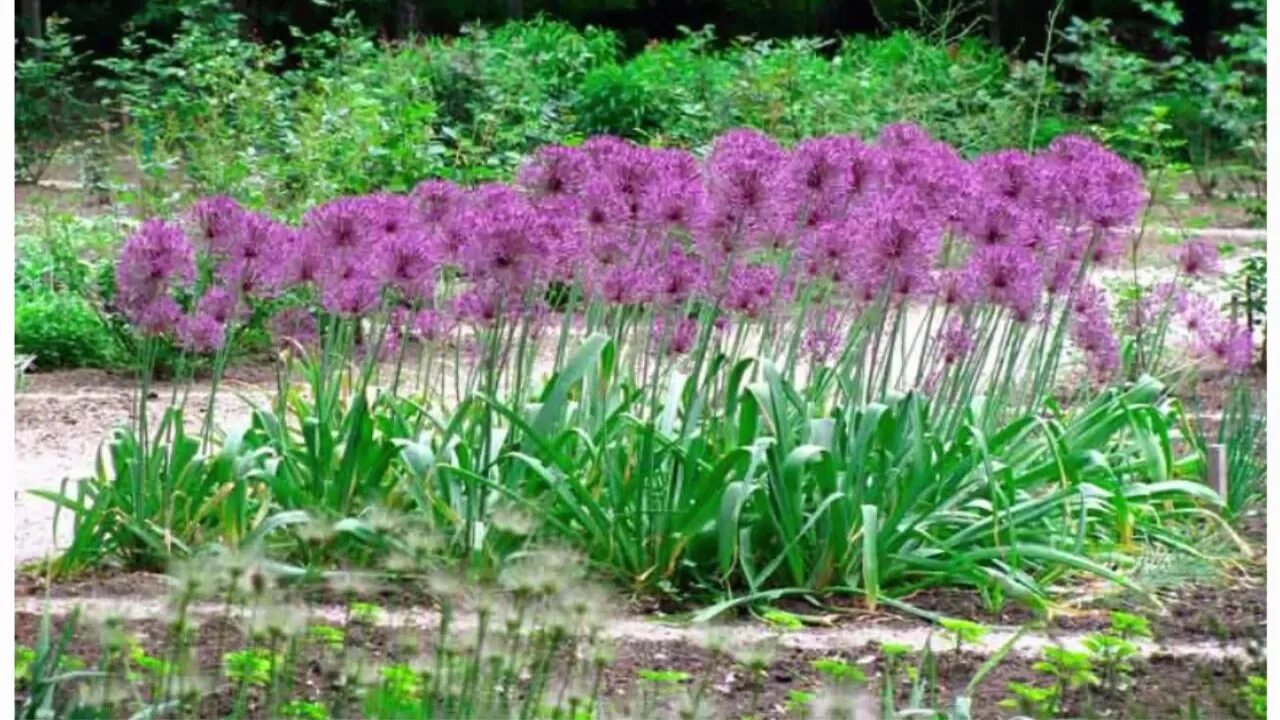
[404, 263]
[201, 333]
[159, 316]
[957, 288]
[294, 325]
[215, 225]
[819, 179]
[432, 325]
[956, 341]
[1197, 258]
[153, 261]
[1091, 329]
[745, 180]
[348, 288]
[1011, 175]
[1009, 277]
[554, 172]
[671, 200]
[219, 304]
[252, 265]
[478, 306]
[994, 220]
[898, 238]
[1230, 344]
[435, 200]
[751, 289]
[822, 338]
[339, 227]
[830, 250]
[504, 247]
[1090, 183]
[679, 339]
[680, 277]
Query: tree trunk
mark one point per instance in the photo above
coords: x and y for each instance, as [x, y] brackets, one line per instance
[32, 23]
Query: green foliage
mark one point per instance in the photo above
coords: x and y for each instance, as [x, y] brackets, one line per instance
[1213, 110]
[253, 667]
[1037, 703]
[1255, 693]
[62, 331]
[48, 109]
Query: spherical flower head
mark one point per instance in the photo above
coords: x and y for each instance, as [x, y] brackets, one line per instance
[404, 263]
[745, 179]
[1009, 277]
[957, 288]
[252, 265]
[157, 317]
[680, 277]
[898, 237]
[554, 172]
[348, 288]
[201, 333]
[340, 227]
[752, 289]
[830, 250]
[1090, 183]
[432, 325]
[435, 200]
[670, 201]
[505, 247]
[679, 338]
[822, 338]
[995, 220]
[1198, 258]
[1231, 345]
[219, 304]
[936, 172]
[214, 225]
[1091, 329]
[294, 325]
[626, 284]
[819, 178]
[956, 341]
[393, 216]
[153, 260]
[478, 306]
[1012, 175]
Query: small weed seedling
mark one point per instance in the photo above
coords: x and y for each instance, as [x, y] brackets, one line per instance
[303, 710]
[1255, 694]
[838, 671]
[365, 613]
[964, 632]
[1037, 703]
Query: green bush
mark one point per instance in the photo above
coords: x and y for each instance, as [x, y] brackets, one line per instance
[62, 331]
[48, 110]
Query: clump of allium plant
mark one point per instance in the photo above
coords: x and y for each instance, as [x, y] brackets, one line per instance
[674, 363]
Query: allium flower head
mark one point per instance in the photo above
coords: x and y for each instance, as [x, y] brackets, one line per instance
[153, 261]
[1091, 329]
[1197, 258]
[215, 225]
[679, 339]
[822, 338]
[294, 325]
[554, 172]
[956, 341]
[340, 227]
[431, 325]
[159, 316]
[1011, 175]
[218, 304]
[751, 289]
[745, 178]
[1009, 277]
[435, 200]
[1089, 183]
[201, 333]
[1230, 344]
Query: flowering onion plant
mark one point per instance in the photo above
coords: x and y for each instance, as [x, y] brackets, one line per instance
[818, 368]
